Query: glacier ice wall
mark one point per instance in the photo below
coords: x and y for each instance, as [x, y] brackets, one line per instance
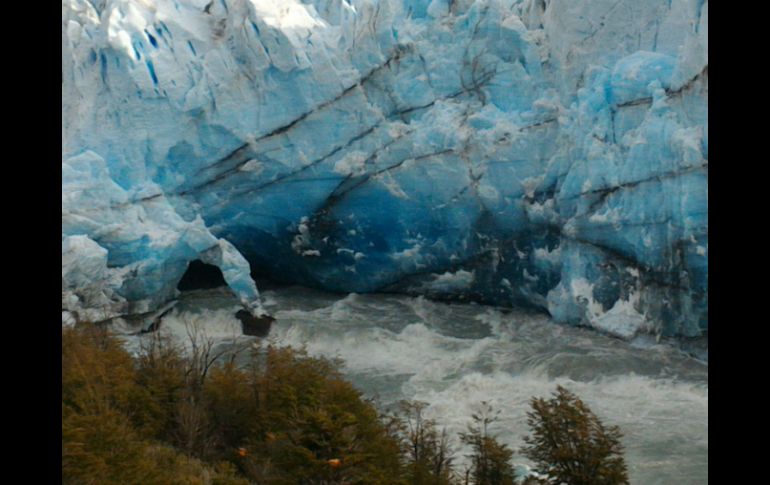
[542, 153]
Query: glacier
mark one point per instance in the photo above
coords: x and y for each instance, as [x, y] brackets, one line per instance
[547, 154]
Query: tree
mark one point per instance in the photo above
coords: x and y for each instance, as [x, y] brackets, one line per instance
[172, 376]
[305, 423]
[109, 419]
[427, 452]
[193, 416]
[491, 460]
[569, 444]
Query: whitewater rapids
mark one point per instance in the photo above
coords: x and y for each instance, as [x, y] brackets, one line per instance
[454, 356]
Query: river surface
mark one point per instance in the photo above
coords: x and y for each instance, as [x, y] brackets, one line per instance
[454, 356]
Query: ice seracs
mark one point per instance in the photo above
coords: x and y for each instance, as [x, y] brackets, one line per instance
[550, 154]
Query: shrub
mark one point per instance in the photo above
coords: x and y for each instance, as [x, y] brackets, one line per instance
[166, 417]
[161, 382]
[97, 374]
[312, 426]
[569, 444]
[491, 460]
[101, 448]
[170, 418]
[103, 424]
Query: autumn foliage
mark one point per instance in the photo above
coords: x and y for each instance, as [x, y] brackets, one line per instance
[285, 418]
[570, 444]
[168, 417]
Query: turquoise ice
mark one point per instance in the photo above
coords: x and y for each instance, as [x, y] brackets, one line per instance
[531, 153]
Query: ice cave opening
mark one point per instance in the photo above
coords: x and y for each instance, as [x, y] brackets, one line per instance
[201, 276]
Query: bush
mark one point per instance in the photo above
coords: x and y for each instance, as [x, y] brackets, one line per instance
[569, 444]
[309, 425]
[491, 460]
[97, 374]
[164, 419]
[170, 418]
[104, 423]
[162, 384]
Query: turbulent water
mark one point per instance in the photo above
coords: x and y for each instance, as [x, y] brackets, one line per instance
[454, 356]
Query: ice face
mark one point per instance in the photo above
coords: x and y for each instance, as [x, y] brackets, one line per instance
[549, 154]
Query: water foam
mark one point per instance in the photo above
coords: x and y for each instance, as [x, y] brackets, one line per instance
[413, 348]
[455, 356]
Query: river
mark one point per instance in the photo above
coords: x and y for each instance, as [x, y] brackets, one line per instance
[454, 356]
